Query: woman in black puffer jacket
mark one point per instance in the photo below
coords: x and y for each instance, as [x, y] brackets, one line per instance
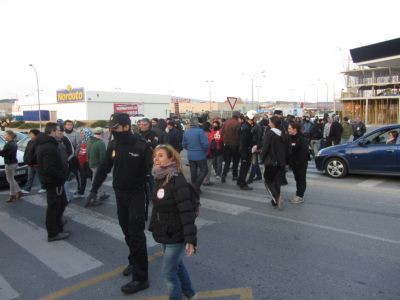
[298, 160]
[172, 220]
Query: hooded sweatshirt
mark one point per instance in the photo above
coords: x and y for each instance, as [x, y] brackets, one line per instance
[275, 147]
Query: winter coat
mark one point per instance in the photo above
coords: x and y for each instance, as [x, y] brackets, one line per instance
[161, 134]
[359, 129]
[274, 149]
[195, 142]
[51, 168]
[73, 136]
[246, 141]
[30, 153]
[9, 153]
[151, 138]
[347, 130]
[335, 132]
[218, 144]
[173, 215]
[316, 132]
[298, 150]
[175, 138]
[129, 157]
[95, 152]
[230, 132]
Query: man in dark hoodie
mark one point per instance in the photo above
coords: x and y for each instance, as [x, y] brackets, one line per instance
[52, 173]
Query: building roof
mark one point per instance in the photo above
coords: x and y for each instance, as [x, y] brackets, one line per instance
[384, 54]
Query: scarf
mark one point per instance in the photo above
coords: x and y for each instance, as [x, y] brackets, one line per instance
[167, 171]
[87, 134]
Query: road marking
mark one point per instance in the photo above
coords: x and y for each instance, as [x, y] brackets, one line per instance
[92, 281]
[108, 183]
[223, 207]
[57, 256]
[231, 194]
[243, 293]
[103, 223]
[370, 183]
[330, 228]
[6, 291]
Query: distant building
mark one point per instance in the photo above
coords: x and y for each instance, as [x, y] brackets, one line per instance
[80, 104]
[373, 88]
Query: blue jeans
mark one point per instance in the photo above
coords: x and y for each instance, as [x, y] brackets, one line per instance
[174, 272]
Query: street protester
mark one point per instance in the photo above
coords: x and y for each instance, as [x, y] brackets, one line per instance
[298, 160]
[246, 148]
[347, 131]
[274, 158]
[359, 128]
[209, 154]
[130, 158]
[85, 172]
[230, 135]
[74, 138]
[217, 148]
[173, 221]
[53, 174]
[9, 152]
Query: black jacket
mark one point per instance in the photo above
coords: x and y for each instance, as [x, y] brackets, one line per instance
[275, 147]
[130, 158]
[335, 133]
[317, 131]
[175, 138]
[51, 168]
[298, 150]
[30, 153]
[173, 216]
[151, 138]
[246, 141]
[9, 153]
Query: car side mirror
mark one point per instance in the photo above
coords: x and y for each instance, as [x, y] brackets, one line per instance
[363, 142]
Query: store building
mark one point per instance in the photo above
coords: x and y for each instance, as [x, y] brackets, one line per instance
[373, 88]
[89, 105]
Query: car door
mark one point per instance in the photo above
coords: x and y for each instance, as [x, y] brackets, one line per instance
[372, 154]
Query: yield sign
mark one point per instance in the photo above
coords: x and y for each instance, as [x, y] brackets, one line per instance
[232, 102]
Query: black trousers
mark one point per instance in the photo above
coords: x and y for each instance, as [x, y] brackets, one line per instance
[85, 173]
[273, 177]
[245, 162]
[56, 203]
[231, 154]
[300, 173]
[198, 171]
[131, 217]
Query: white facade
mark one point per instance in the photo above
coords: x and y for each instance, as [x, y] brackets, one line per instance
[97, 105]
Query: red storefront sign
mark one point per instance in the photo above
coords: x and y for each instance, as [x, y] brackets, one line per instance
[131, 109]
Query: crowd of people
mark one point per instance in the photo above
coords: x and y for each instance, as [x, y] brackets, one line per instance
[146, 165]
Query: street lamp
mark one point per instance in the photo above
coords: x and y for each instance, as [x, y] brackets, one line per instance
[252, 85]
[38, 96]
[209, 91]
[258, 95]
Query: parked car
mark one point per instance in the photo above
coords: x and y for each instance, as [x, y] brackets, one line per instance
[367, 155]
[21, 173]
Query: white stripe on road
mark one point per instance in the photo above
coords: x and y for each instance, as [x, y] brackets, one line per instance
[63, 258]
[330, 228]
[370, 183]
[223, 207]
[6, 291]
[231, 194]
[103, 223]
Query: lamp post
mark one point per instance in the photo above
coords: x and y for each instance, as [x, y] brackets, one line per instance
[258, 95]
[209, 91]
[252, 85]
[38, 96]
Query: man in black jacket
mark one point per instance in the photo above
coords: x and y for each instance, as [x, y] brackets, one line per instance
[130, 158]
[52, 173]
[175, 136]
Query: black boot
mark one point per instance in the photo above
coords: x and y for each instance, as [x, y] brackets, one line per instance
[135, 286]
[128, 270]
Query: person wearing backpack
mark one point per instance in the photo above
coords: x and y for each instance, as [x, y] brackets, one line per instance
[172, 221]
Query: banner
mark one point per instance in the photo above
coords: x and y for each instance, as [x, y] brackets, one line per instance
[132, 109]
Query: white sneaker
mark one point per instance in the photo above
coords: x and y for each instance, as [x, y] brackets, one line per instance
[217, 177]
[297, 200]
[41, 191]
[25, 192]
[194, 297]
[280, 203]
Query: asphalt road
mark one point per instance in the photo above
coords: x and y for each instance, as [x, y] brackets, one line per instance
[342, 243]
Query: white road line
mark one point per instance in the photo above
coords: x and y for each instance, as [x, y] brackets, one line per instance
[370, 183]
[6, 291]
[330, 228]
[103, 223]
[223, 207]
[231, 194]
[63, 258]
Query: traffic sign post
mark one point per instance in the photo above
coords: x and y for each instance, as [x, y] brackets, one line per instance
[232, 102]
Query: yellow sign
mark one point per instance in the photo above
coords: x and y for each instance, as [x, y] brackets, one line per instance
[71, 94]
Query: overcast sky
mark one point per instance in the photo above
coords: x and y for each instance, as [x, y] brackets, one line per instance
[173, 47]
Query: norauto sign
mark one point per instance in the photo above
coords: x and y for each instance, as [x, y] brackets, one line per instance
[71, 94]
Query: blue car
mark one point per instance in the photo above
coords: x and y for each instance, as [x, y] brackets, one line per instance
[370, 154]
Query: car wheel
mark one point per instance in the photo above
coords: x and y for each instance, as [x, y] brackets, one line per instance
[336, 168]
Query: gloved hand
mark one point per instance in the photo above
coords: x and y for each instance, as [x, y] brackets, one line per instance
[92, 197]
